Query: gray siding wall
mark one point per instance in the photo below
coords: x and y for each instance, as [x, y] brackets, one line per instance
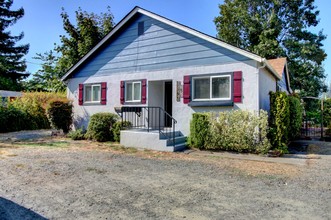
[160, 47]
[282, 84]
[267, 83]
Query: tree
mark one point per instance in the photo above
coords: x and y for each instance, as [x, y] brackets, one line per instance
[48, 78]
[277, 28]
[80, 39]
[12, 66]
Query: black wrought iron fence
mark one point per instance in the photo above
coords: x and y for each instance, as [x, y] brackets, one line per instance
[149, 118]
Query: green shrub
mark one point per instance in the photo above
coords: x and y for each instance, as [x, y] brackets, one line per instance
[240, 131]
[78, 134]
[279, 121]
[60, 115]
[327, 112]
[34, 111]
[199, 130]
[100, 127]
[28, 112]
[296, 113]
[13, 119]
[117, 127]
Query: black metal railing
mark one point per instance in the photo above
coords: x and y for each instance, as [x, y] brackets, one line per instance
[149, 118]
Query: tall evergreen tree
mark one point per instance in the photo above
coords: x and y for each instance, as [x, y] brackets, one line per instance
[276, 28]
[12, 66]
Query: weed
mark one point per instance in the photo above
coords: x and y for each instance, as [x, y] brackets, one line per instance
[91, 169]
[20, 165]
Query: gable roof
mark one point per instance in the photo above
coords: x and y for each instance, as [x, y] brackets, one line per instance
[280, 66]
[184, 28]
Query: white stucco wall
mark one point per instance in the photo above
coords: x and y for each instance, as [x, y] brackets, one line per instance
[181, 112]
[267, 83]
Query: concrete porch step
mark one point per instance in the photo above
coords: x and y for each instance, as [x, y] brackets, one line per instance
[168, 134]
[178, 140]
[179, 147]
[153, 140]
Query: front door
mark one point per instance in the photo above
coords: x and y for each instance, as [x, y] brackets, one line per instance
[168, 103]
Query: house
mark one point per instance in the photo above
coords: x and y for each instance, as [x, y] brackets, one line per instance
[156, 73]
[6, 95]
[280, 66]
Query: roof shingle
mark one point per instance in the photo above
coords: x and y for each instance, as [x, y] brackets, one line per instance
[278, 64]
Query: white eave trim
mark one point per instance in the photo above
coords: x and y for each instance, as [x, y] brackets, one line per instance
[173, 24]
[116, 28]
[201, 35]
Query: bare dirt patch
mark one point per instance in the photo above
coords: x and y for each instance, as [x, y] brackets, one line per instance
[62, 179]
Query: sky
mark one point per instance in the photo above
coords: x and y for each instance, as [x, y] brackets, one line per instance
[42, 24]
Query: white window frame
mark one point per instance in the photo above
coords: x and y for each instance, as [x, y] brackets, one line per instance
[126, 91]
[211, 77]
[92, 86]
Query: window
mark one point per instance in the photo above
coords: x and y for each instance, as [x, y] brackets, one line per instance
[212, 88]
[133, 91]
[92, 93]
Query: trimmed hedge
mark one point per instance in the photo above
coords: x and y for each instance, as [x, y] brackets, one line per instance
[60, 115]
[27, 112]
[200, 128]
[13, 119]
[279, 121]
[296, 116]
[100, 127]
[240, 131]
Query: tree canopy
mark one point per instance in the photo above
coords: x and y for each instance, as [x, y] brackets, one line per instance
[79, 39]
[278, 28]
[90, 28]
[12, 66]
[48, 77]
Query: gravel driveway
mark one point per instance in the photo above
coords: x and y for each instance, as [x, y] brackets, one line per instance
[84, 180]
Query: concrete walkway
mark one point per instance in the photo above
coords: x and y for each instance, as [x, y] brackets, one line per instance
[293, 159]
[26, 135]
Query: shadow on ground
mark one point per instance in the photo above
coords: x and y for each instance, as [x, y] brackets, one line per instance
[310, 147]
[12, 211]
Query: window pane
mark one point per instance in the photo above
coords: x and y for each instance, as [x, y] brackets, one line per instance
[87, 93]
[137, 91]
[201, 88]
[96, 93]
[221, 87]
[128, 92]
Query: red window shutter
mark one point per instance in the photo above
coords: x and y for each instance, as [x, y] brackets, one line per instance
[187, 89]
[122, 92]
[103, 93]
[80, 94]
[237, 87]
[143, 91]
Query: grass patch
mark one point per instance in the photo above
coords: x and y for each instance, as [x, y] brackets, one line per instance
[117, 147]
[50, 144]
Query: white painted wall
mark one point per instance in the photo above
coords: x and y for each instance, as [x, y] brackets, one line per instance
[267, 83]
[181, 112]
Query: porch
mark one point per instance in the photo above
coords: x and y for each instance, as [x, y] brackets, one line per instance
[150, 128]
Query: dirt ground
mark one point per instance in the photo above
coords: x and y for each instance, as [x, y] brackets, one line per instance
[56, 178]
